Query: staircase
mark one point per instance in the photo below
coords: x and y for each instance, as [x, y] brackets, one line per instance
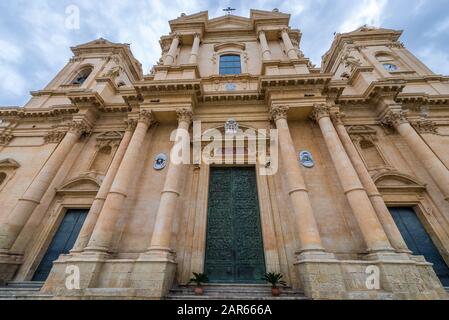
[26, 290]
[233, 292]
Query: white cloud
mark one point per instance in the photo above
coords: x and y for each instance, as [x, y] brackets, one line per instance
[12, 84]
[366, 12]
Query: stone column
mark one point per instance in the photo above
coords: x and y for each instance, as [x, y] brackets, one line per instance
[100, 199]
[377, 201]
[170, 58]
[266, 52]
[101, 238]
[426, 156]
[305, 224]
[19, 216]
[162, 232]
[375, 238]
[195, 49]
[291, 51]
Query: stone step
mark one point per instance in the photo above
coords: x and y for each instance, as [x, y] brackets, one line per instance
[447, 289]
[232, 297]
[25, 284]
[233, 292]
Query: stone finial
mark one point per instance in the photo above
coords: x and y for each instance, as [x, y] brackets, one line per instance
[320, 110]
[146, 117]
[394, 118]
[279, 112]
[184, 115]
[425, 126]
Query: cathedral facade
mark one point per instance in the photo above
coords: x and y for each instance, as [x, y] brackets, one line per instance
[235, 156]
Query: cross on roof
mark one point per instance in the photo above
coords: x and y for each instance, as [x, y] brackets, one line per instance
[229, 10]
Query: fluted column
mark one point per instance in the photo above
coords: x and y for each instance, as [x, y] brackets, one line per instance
[19, 216]
[305, 223]
[170, 58]
[375, 238]
[426, 156]
[195, 49]
[162, 231]
[100, 199]
[384, 215]
[291, 51]
[100, 241]
[266, 52]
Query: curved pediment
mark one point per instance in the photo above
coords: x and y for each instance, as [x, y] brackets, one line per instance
[230, 46]
[81, 185]
[398, 181]
[9, 163]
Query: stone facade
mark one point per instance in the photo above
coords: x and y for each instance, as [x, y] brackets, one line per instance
[374, 118]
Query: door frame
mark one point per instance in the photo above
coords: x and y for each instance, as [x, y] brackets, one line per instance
[44, 237]
[416, 196]
[269, 240]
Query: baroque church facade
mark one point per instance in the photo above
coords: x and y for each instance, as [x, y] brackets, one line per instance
[89, 188]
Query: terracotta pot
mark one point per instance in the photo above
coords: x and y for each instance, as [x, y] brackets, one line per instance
[276, 292]
[199, 291]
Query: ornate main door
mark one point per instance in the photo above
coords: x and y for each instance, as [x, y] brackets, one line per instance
[234, 250]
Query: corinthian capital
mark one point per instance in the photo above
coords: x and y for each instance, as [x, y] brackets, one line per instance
[184, 115]
[79, 128]
[394, 118]
[338, 118]
[425, 126]
[279, 112]
[131, 124]
[320, 110]
[146, 117]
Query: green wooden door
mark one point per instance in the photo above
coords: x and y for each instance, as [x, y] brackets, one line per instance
[234, 250]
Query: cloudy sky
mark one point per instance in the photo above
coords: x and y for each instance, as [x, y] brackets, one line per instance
[36, 35]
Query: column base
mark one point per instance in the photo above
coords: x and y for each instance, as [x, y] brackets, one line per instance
[89, 265]
[9, 264]
[401, 277]
[154, 274]
[320, 275]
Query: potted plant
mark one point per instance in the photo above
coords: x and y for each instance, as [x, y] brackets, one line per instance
[199, 279]
[275, 279]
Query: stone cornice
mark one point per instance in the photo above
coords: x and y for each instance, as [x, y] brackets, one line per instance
[376, 89]
[294, 80]
[168, 85]
[22, 113]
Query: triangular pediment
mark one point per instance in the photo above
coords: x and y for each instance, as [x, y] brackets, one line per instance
[229, 23]
[110, 135]
[9, 163]
[96, 43]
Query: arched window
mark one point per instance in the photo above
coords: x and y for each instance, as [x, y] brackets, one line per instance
[371, 155]
[102, 160]
[230, 64]
[2, 178]
[82, 76]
